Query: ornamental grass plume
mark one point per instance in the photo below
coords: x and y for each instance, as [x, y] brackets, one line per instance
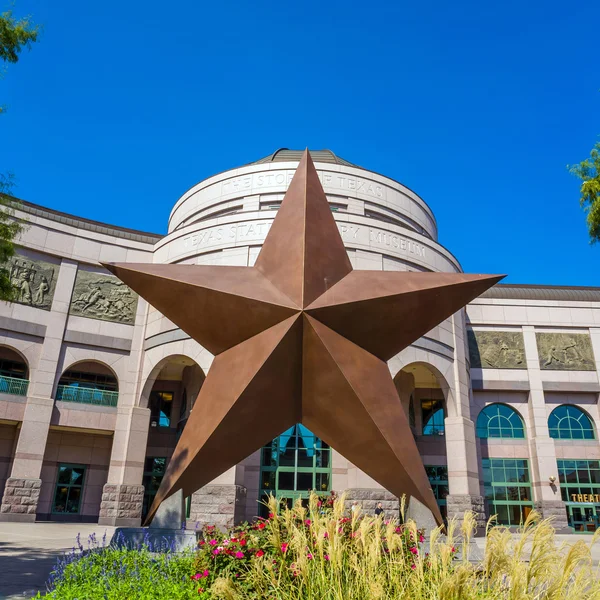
[308, 553]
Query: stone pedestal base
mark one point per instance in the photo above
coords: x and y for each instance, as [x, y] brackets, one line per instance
[368, 499]
[156, 539]
[556, 510]
[20, 500]
[220, 505]
[421, 515]
[165, 532]
[121, 505]
[456, 506]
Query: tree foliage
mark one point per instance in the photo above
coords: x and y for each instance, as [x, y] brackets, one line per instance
[588, 171]
[14, 36]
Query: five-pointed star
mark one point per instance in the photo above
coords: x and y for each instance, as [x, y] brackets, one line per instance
[300, 338]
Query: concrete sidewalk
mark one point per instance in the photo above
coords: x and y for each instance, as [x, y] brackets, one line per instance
[29, 551]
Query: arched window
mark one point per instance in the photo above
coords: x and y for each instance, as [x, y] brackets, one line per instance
[499, 421]
[568, 422]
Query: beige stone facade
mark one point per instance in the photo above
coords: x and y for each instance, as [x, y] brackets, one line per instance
[95, 384]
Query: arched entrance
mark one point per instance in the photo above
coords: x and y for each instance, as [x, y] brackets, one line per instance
[169, 393]
[422, 392]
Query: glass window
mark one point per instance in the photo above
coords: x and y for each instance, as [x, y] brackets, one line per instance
[411, 412]
[160, 408]
[433, 417]
[293, 464]
[579, 480]
[499, 421]
[568, 422]
[438, 478]
[507, 489]
[154, 471]
[69, 489]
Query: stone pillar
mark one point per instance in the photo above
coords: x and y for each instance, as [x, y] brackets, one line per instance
[541, 446]
[461, 447]
[220, 505]
[25, 482]
[123, 493]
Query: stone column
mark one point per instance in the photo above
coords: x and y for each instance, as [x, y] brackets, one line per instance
[123, 493]
[541, 446]
[461, 448]
[22, 491]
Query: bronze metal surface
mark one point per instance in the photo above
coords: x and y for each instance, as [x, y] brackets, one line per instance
[300, 337]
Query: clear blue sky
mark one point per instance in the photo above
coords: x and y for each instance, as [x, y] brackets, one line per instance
[477, 106]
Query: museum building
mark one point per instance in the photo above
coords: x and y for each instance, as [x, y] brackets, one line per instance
[96, 385]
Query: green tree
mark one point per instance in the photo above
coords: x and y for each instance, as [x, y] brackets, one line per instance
[588, 171]
[14, 36]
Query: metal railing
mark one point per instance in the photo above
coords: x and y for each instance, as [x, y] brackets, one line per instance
[71, 393]
[13, 385]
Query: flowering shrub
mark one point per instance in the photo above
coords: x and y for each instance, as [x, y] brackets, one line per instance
[320, 552]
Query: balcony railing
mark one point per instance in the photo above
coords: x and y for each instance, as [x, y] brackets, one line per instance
[71, 393]
[13, 385]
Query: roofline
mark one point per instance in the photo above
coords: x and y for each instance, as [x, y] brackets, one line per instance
[82, 222]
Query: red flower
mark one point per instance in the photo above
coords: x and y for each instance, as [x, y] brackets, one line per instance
[259, 553]
[242, 542]
[326, 556]
[213, 542]
[271, 515]
[307, 522]
[200, 590]
[284, 547]
[239, 554]
[261, 525]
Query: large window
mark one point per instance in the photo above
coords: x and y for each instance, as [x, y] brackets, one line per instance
[499, 421]
[579, 480]
[293, 464]
[580, 490]
[161, 404]
[69, 489]
[154, 471]
[568, 422]
[433, 417]
[438, 478]
[507, 489]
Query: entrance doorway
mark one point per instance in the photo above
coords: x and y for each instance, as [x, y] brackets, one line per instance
[583, 518]
[292, 465]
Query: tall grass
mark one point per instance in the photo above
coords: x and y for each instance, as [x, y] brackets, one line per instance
[323, 554]
[368, 560]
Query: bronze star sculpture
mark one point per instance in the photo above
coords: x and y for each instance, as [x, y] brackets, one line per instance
[300, 338]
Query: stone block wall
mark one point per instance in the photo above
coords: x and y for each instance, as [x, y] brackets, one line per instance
[220, 505]
[122, 505]
[368, 499]
[20, 499]
[456, 506]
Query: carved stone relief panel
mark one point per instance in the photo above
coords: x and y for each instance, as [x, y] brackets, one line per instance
[496, 350]
[33, 278]
[565, 351]
[104, 297]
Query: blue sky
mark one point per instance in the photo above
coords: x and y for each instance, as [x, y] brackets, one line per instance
[477, 106]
